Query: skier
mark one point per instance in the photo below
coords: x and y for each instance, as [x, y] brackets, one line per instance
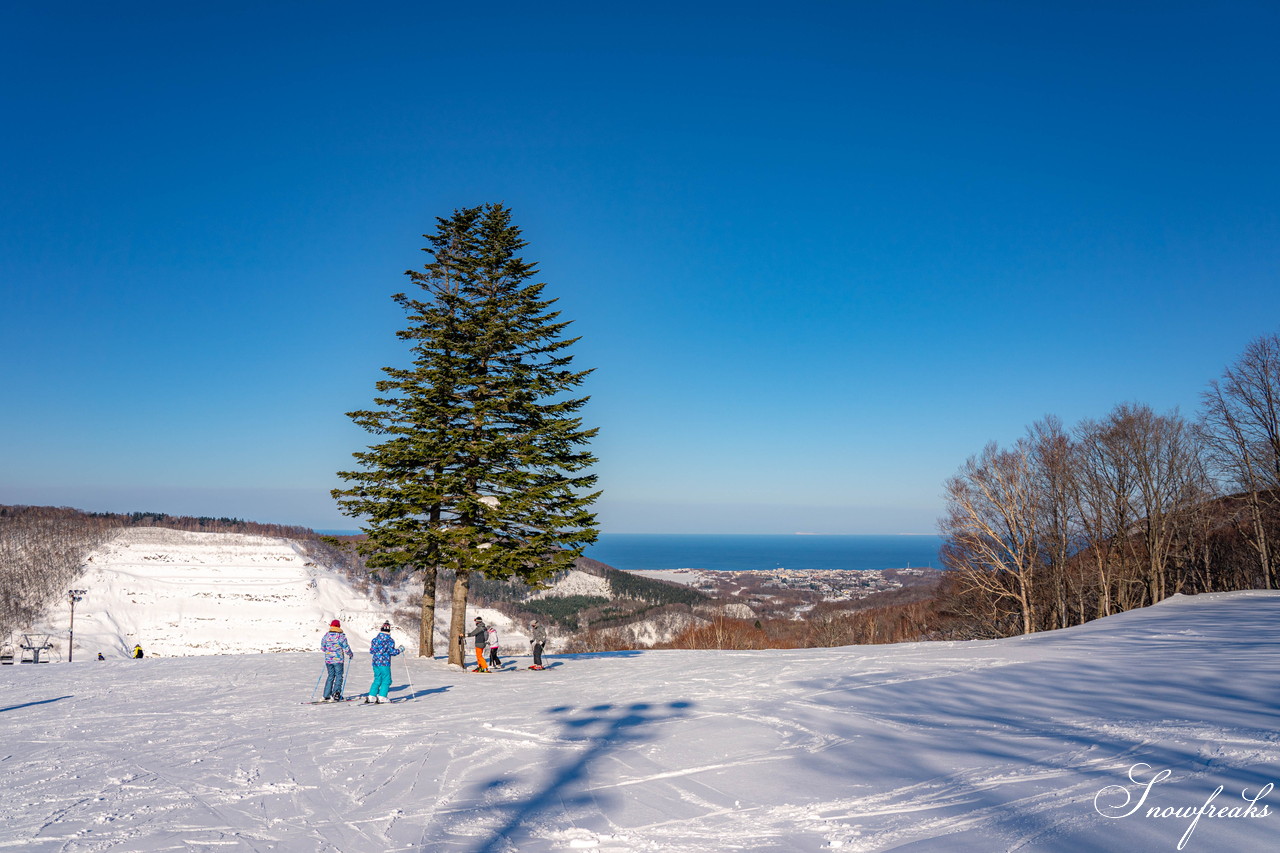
[539, 641]
[334, 645]
[137, 652]
[100, 657]
[493, 648]
[480, 633]
[383, 648]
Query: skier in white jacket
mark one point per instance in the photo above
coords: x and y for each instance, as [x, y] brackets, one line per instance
[493, 647]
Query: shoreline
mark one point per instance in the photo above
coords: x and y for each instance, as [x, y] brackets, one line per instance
[694, 577]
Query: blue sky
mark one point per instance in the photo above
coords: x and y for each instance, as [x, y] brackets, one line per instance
[818, 253]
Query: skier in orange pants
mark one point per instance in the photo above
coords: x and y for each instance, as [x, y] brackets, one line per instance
[481, 634]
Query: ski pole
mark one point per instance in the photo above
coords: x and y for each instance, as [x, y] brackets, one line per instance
[345, 672]
[407, 677]
[317, 687]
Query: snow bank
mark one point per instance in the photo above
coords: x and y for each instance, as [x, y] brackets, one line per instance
[1045, 743]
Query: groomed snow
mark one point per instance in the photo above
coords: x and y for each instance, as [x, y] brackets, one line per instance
[982, 746]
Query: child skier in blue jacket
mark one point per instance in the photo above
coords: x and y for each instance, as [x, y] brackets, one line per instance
[383, 648]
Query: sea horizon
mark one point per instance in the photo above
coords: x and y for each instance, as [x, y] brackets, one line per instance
[356, 532]
[766, 551]
[758, 551]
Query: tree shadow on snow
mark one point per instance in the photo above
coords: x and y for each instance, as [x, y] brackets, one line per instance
[602, 729]
[621, 653]
[1056, 725]
[403, 691]
[29, 704]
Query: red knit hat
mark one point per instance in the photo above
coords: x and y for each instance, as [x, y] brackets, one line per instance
[335, 624]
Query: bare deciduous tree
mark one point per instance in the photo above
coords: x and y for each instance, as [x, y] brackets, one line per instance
[1104, 502]
[1241, 425]
[990, 525]
[1057, 525]
[1162, 455]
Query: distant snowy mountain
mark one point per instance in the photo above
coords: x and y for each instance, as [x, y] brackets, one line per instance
[178, 594]
[1152, 730]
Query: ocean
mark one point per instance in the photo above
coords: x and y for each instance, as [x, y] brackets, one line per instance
[743, 551]
[738, 552]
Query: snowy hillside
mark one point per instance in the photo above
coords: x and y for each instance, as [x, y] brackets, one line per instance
[1107, 737]
[179, 593]
[577, 582]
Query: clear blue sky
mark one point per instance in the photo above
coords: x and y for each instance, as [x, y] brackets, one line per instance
[818, 253]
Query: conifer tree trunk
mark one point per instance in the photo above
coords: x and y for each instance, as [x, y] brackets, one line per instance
[427, 630]
[430, 578]
[458, 616]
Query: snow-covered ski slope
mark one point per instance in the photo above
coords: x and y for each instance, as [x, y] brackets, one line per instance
[1026, 745]
[180, 593]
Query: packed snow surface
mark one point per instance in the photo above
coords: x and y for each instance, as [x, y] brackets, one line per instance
[1088, 739]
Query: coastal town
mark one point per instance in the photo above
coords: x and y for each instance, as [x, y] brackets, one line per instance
[839, 584]
[808, 584]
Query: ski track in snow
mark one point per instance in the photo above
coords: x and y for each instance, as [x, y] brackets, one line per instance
[980, 746]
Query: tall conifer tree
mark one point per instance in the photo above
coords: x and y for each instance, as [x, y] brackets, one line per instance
[482, 463]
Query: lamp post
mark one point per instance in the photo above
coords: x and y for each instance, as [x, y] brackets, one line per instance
[74, 595]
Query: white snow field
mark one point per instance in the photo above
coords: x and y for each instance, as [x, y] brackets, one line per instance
[1086, 739]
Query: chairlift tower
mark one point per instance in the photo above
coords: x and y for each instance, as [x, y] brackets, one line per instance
[75, 595]
[35, 644]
